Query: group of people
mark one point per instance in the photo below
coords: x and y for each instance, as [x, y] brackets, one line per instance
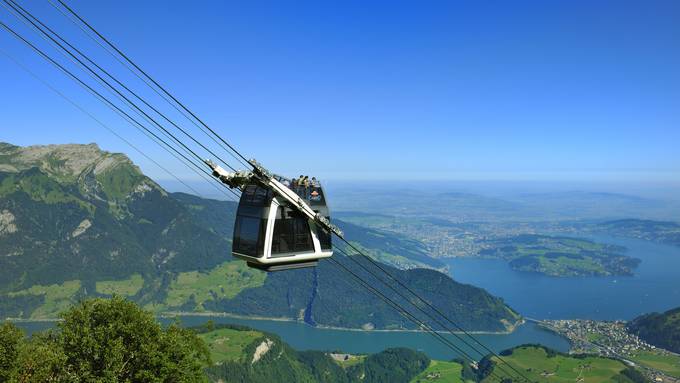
[307, 188]
[304, 181]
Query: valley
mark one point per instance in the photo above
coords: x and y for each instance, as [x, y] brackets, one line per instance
[98, 248]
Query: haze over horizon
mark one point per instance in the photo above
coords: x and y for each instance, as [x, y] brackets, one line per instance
[541, 92]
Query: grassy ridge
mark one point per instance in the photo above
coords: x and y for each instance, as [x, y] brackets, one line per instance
[228, 344]
[125, 287]
[56, 298]
[542, 365]
[440, 372]
[668, 363]
[223, 282]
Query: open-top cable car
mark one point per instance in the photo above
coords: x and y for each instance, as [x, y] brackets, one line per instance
[280, 224]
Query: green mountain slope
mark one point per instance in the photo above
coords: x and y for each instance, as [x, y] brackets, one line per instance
[245, 355]
[79, 222]
[661, 330]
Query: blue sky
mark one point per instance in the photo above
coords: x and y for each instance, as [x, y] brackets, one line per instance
[389, 90]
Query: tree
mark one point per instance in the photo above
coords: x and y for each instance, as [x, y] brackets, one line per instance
[10, 344]
[116, 341]
[42, 360]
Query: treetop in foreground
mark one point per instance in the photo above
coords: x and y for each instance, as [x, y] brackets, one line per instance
[102, 340]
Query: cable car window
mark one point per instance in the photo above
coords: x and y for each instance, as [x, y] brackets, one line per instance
[291, 233]
[255, 195]
[251, 225]
[249, 234]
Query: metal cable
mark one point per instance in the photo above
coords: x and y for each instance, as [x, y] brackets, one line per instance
[404, 286]
[405, 313]
[244, 161]
[95, 119]
[414, 304]
[104, 71]
[107, 102]
[111, 87]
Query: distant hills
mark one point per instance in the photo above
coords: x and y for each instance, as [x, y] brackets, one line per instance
[658, 231]
[659, 329]
[422, 202]
[78, 222]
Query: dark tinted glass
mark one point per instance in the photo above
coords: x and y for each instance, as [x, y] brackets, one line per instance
[255, 195]
[249, 234]
[291, 233]
[251, 222]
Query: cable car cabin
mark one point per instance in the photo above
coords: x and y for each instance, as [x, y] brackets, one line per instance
[271, 235]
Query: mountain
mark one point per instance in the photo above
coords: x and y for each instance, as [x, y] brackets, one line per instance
[659, 329]
[75, 212]
[76, 222]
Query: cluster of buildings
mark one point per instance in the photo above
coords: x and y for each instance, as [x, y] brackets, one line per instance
[609, 339]
[599, 337]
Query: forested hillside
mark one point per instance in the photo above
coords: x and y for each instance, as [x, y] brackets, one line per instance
[78, 222]
[241, 354]
[661, 330]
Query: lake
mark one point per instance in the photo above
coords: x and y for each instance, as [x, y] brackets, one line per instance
[304, 337]
[654, 287]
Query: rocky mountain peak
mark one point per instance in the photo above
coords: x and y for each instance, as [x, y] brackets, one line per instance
[98, 174]
[68, 160]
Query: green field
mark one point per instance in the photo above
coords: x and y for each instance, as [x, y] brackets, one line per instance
[227, 344]
[668, 363]
[224, 281]
[57, 298]
[440, 372]
[126, 287]
[535, 363]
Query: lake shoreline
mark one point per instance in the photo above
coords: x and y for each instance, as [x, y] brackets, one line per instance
[179, 314]
[653, 288]
[169, 315]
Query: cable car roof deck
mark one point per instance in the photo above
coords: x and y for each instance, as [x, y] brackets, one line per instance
[310, 191]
